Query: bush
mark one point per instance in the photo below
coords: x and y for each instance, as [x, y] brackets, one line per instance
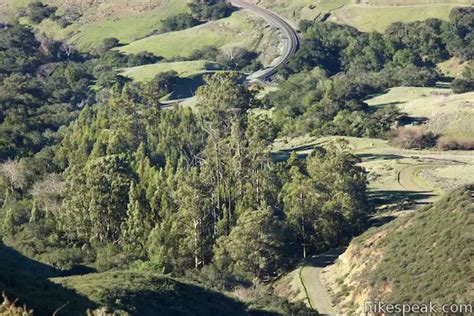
[143, 58]
[461, 85]
[450, 143]
[179, 22]
[211, 9]
[410, 137]
[108, 44]
[37, 12]
[70, 15]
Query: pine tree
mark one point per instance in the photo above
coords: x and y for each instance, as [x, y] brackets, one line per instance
[8, 222]
[255, 246]
[302, 209]
[34, 215]
[136, 228]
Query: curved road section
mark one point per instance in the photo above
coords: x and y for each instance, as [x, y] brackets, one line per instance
[291, 39]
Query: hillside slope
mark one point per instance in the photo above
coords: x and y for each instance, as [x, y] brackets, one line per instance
[136, 293]
[92, 21]
[421, 257]
[141, 293]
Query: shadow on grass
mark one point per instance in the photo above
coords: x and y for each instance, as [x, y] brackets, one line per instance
[27, 280]
[186, 87]
[386, 197]
[380, 221]
[372, 157]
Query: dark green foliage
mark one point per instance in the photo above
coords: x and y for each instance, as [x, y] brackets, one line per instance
[179, 22]
[70, 15]
[337, 68]
[110, 42]
[466, 82]
[255, 247]
[40, 90]
[459, 33]
[205, 53]
[323, 199]
[37, 11]
[19, 51]
[210, 9]
[143, 58]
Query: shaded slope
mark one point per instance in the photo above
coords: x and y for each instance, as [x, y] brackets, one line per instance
[25, 279]
[148, 294]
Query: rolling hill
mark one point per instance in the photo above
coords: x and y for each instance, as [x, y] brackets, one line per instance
[91, 22]
[42, 289]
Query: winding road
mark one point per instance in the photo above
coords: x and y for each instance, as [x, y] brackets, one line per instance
[290, 41]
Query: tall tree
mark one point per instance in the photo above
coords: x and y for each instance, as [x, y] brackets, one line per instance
[96, 199]
[255, 246]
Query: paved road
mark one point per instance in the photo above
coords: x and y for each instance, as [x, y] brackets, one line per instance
[290, 40]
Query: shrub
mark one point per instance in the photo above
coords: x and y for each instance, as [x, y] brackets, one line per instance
[37, 11]
[410, 137]
[142, 58]
[461, 85]
[179, 22]
[110, 42]
[211, 9]
[451, 143]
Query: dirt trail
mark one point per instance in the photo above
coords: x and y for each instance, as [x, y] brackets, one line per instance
[406, 178]
[315, 285]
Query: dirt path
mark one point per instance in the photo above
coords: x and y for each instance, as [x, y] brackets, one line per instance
[314, 284]
[406, 178]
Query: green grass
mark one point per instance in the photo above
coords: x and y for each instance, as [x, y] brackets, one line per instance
[150, 294]
[447, 113]
[238, 30]
[377, 18]
[137, 293]
[26, 280]
[183, 68]
[452, 67]
[123, 19]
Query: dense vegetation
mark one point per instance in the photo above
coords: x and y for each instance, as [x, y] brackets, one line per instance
[338, 67]
[210, 9]
[121, 184]
[96, 176]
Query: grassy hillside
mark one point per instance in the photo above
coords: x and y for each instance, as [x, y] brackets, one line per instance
[238, 30]
[379, 17]
[124, 19]
[297, 10]
[424, 256]
[26, 280]
[446, 113]
[149, 294]
[366, 15]
[135, 293]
